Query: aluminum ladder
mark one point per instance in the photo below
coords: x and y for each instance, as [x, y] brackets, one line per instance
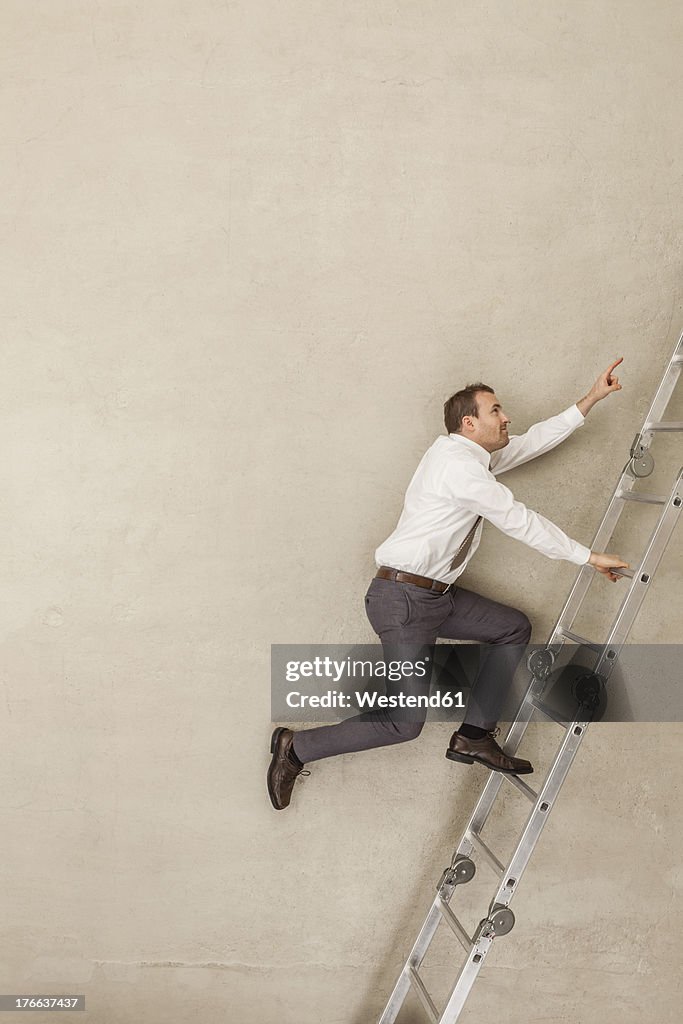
[500, 919]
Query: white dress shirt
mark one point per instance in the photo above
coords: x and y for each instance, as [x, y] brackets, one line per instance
[455, 482]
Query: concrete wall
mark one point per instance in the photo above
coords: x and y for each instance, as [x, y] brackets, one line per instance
[249, 248]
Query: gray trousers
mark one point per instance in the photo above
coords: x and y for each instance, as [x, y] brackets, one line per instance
[407, 620]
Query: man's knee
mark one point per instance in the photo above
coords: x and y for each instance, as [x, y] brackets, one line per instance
[519, 629]
[406, 731]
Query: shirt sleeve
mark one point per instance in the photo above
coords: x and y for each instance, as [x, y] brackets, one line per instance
[472, 487]
[540, 438]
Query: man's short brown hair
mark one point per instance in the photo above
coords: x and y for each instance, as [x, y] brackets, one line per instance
[462, 403]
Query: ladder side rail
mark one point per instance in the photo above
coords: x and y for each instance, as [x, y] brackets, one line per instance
[515, 869]
[466, 979]
[424, 996]
[476, 822]
[494, 783]
[616, 638]
[586, 573]
[626, 481]
[610, 651]
[541, 811]
[565, 621]
[663, 393]
[415, 958]
[635, 595]
[667, 384]
[563, 761]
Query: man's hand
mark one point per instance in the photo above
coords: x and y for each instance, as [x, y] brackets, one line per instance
[604, 386]
[606, 563]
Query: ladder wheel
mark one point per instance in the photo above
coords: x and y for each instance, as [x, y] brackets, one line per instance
[642, 465]
[589, 693]
[464, 869]
[502, 921]
[540, 663]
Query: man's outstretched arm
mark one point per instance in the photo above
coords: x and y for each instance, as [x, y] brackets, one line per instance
[546, 435]
[472, 488]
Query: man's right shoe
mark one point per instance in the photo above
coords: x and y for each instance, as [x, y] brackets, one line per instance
[283, 770]
[487, 752]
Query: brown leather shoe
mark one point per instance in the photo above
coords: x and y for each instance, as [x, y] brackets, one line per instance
[283, 771]
[487, 752]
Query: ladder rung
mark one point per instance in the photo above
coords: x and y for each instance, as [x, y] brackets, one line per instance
[488, 855]
[648, 499]
[515, 781]
[546, 711]
[629, 573]
[664, 425]
[580, 640]
[424, 995]
[450, 918]
[677, 359]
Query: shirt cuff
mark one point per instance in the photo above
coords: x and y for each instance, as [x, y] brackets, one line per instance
[575, 415]
[581, 554]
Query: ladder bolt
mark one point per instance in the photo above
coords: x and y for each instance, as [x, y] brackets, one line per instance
[476, 958]
[578, 730]
[611, 655]
[677, 502]
[544, 807]
[645, 578]
[511, 882]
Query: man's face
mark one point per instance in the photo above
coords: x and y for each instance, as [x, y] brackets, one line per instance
[489, 428]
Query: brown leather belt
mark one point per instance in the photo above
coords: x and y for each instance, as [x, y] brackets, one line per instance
[385, 572]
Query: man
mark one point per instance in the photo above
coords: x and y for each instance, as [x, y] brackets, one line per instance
[413, 599]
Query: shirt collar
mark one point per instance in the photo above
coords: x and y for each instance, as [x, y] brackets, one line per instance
[476, 449]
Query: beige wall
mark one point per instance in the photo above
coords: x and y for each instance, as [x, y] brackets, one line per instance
[248, 250]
